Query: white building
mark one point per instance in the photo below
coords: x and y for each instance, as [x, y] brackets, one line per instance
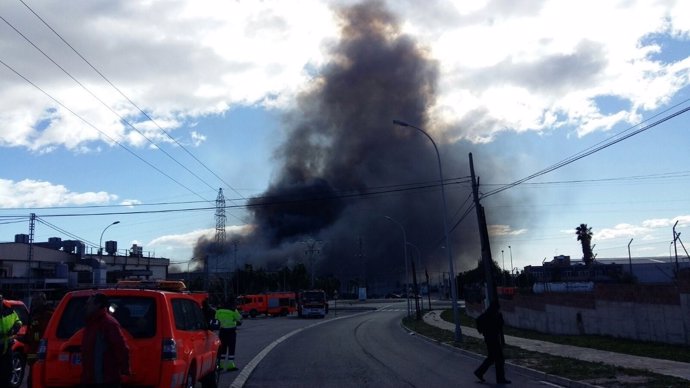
[57, 265]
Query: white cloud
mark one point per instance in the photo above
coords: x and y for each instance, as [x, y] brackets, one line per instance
[504, 65]
[620, 230]
[185, 240]
[667, 222]
[504, 230]
[30, 193]
[130, 202]
[182, 245]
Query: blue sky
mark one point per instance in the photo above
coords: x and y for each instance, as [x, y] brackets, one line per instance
[524, 85]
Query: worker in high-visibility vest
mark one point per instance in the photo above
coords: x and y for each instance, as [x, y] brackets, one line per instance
[9, 326]
[229, 319]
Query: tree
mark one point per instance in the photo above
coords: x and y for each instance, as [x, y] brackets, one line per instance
[584, 236]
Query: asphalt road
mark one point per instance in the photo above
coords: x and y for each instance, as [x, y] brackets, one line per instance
[367, 349]
[357, 347]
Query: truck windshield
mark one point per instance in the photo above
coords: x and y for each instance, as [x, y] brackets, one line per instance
[313, 297]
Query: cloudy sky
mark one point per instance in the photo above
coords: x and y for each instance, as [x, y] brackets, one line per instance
[139, 111]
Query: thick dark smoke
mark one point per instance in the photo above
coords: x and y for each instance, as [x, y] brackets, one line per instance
[343, 151]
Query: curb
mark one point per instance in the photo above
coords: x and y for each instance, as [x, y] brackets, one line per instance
[509, 366]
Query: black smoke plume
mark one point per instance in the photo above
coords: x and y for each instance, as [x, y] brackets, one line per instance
[345, 167]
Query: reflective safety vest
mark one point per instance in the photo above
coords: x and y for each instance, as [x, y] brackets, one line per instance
[9, 323]
[228, 318]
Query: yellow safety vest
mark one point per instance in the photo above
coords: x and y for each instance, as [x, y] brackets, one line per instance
[8, 320]
[228, 318]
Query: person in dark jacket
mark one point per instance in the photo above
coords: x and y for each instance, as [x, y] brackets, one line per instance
[491, 323]
[39, 316]
[104, 351]
[209, 311]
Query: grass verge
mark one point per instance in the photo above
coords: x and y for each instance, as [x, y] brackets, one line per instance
[617, 345]
[587, 372]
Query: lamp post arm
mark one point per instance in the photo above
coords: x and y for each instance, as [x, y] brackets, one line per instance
[100, 240]
[453, 283]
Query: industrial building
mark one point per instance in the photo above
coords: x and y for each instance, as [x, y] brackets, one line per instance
[57, 265]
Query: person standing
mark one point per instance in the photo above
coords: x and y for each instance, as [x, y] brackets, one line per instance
[39, 316]
[490, 324]
[229, 319]
[104, 351]
[209, 311]
[9, 326]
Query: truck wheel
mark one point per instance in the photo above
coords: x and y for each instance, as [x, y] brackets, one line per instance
[18, 369]
[189, 381]
[253, 313]
[283, 312]
[211, 379]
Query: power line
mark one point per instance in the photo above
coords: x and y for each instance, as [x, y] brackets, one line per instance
[598, 147]
[128, 99]
[424, 185]
[96, 128]
[57, 228]
[123, 119]
[268, 201]
[666, 175]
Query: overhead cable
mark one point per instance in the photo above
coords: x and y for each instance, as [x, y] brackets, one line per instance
[129, 99]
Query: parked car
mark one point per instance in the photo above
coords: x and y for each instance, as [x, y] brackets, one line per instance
[19, 347]
[170, 342]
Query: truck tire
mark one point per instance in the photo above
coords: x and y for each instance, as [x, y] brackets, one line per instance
[18, 369]
[189, 381]
[211, 379]
[253, 313]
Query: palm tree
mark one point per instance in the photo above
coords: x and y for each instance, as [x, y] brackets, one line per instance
[584, 235]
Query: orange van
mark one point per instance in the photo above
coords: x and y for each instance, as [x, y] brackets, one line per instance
[170, 343]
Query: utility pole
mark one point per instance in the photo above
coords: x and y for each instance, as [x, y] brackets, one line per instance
[630, 258]
[207, 273]
[675, 247]
[311, 251]
[512, 280]
[237, 276]
[483, 237]
[30, 254]
[220, 218]
[360, 258]
[503, 270]
[416, 291]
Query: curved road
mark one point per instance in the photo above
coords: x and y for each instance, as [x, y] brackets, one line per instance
[365, 350]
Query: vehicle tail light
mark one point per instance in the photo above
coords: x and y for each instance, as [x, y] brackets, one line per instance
[42, 349]
[169, 349]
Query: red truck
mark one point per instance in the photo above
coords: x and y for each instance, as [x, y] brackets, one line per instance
[270, 303]
[312, 303]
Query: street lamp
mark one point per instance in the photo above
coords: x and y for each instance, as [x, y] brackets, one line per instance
[407, 276]
[511, 264]
[100, 241]
[503, 270]
[419, 266]
[453, 285]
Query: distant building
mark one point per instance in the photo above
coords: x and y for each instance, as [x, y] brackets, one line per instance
[560, 269]
[59, 264]
[650, 270]
[606, 270]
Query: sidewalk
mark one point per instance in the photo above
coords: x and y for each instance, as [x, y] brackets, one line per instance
[664, 367]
